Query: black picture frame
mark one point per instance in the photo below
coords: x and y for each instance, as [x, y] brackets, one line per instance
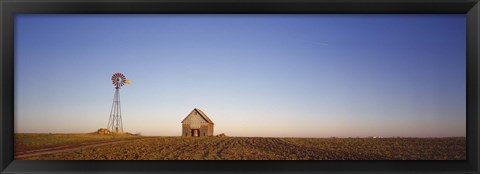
[9, 8]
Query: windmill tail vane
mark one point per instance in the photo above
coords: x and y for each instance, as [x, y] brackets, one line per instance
[115, 123]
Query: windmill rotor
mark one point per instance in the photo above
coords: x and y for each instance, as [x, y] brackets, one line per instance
[118, 80]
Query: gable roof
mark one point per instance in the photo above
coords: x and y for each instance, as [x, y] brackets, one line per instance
[204, 116]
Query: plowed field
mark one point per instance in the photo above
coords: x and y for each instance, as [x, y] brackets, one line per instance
[253, 148]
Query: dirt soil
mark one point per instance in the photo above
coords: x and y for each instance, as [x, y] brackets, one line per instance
[253, 148]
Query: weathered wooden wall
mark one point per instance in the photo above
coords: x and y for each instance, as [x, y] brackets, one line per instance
[210, 129]
[195, 121]
[186, 131]
[204, 130]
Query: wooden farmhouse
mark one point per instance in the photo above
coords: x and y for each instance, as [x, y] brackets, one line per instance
[197, 124]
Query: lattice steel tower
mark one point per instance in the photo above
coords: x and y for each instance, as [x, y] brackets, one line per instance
[115, 123]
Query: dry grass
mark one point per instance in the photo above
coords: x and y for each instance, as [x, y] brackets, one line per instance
[249, 148]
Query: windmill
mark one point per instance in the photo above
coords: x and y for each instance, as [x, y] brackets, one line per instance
[115, 121]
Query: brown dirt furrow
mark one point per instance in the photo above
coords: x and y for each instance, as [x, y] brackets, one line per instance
[43, 151]
[259, 148]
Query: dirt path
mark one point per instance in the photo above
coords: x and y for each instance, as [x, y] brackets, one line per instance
[71, 147]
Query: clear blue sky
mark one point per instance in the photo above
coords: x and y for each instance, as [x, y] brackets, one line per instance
[254, 75]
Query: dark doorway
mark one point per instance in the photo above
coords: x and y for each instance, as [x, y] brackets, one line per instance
[195, 132]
